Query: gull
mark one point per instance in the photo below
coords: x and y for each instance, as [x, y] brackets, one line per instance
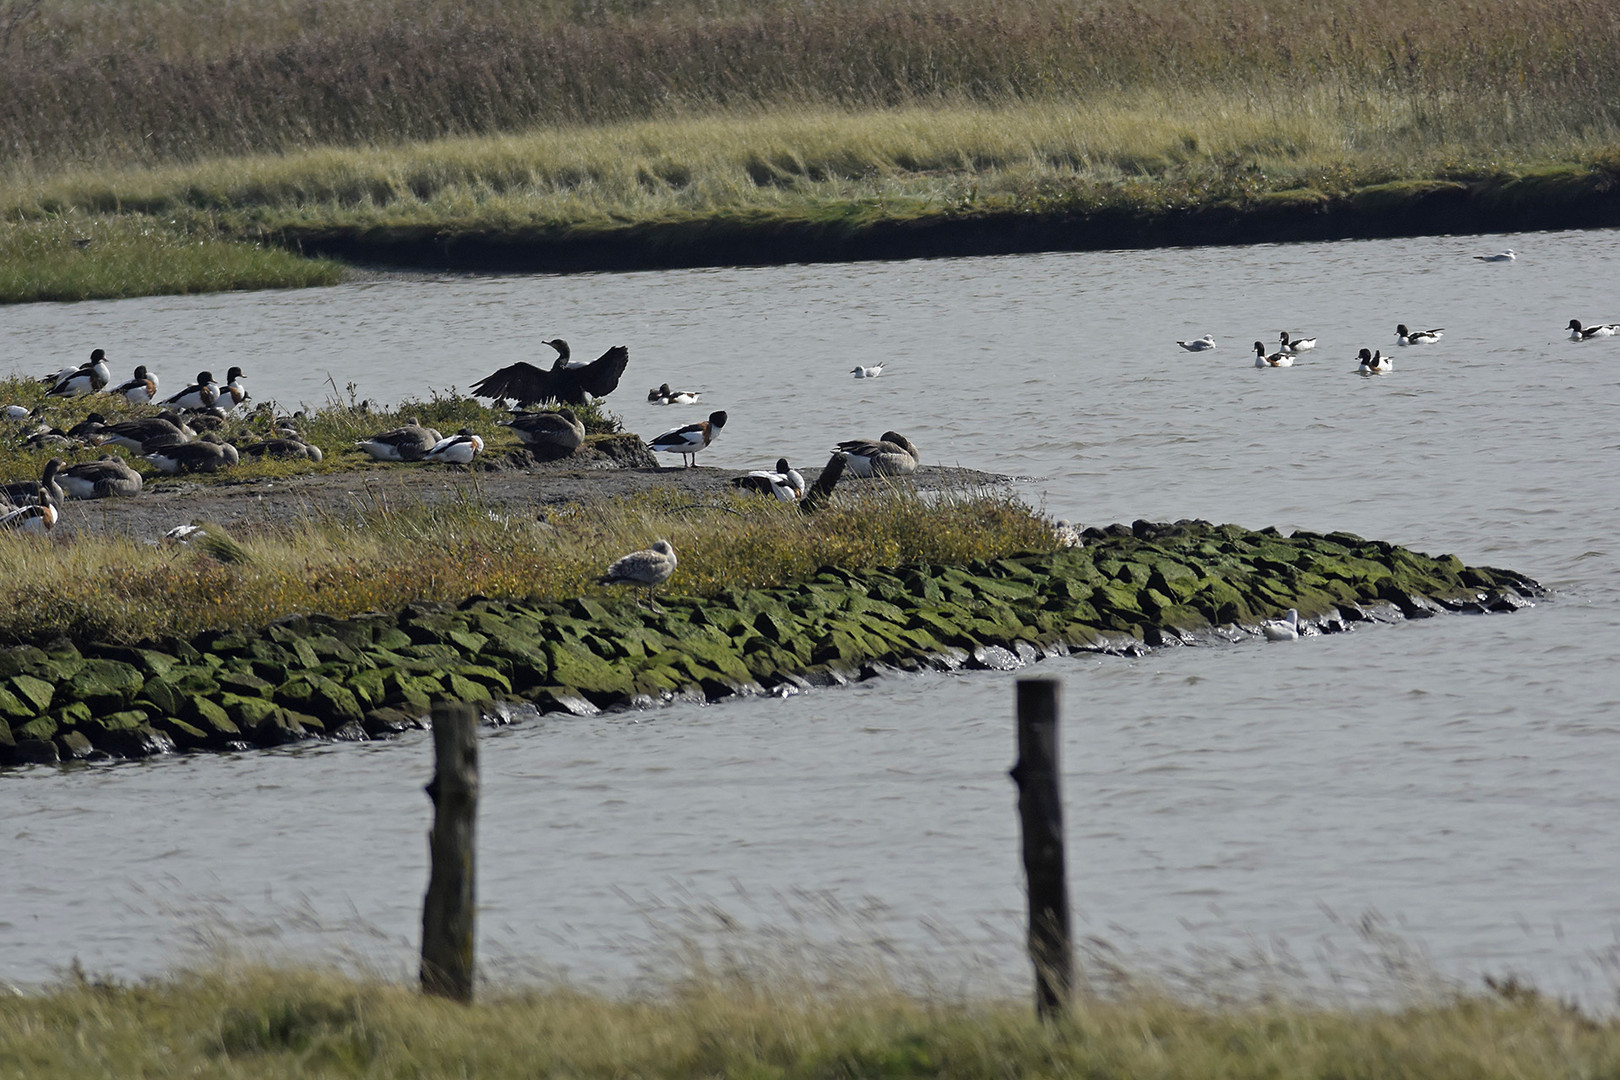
[650, 567]
[1283, 629]
[870, 371]
[1199, 344]
[1500, 256]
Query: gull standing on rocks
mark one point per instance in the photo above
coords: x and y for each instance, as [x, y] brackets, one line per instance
[650, 567]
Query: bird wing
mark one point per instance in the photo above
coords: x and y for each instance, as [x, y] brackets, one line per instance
[521, 381]
[600, 377]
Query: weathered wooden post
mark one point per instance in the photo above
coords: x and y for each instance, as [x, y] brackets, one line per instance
[1040, 811]
[447, 910]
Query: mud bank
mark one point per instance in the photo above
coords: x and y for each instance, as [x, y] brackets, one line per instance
[1126, 588]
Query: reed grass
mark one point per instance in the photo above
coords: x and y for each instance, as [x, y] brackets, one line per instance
[255, 1022]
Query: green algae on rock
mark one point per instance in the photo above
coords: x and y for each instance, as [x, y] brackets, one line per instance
[1128, 588]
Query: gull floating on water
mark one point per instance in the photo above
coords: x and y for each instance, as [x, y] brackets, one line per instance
[1283, 629]
[1500, 256]
[1198, 344]
[870, 371]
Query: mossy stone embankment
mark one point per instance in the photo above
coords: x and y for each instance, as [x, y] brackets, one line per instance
[1127, 588]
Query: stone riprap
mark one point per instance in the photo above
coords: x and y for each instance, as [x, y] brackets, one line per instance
[1127, 588]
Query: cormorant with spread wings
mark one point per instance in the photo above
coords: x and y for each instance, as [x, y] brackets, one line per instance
[529, 385]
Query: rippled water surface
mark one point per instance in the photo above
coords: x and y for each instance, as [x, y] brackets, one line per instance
[1440, 792]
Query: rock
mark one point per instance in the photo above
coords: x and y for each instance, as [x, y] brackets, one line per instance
[995, 658]
[34, 752]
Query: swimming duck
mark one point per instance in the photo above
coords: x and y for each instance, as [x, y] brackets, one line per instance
[109, 477]
[408, 443]
[1296, 346]
[207, 454]
[549, 436]
[1198, 344]
[1577, 332]
[687, 441]
[1379, 363]
[869, 371]
[1500, 256]
[650, 567]
[1277, 359]
[784, 483]
[663, 395]
[85, 379]
[139, 390]
[891, 454]
[1403, 336]
[457, 449]
[202, 394]
[1283, 629]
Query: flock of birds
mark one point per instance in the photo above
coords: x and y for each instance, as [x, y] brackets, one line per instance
[184, 438]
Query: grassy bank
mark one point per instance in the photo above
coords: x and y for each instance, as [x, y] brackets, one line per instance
[264, 1023]
[560, 136]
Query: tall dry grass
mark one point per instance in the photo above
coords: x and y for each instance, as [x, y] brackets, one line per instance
[156, 81]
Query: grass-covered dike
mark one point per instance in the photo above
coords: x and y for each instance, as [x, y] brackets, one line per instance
[376, 674]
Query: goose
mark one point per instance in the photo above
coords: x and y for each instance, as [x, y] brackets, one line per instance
[1198, 344]
[457, 449]
[1577, 332]
[1297, 346]
[202, 394]
[231, 394]
[869, 371]
[687, 441]
[891, 454]
[139, 390]
[109, 477]
[88, 428]
[38, 518]
[44, 490]
[650, 567]
[284, 446]
[208, 454]
[1283, 629]
[549, 436]
[785, 483]
[1403, 336]
[406, 443]
[167, 429]
[1277, 359]
[86, 379]
[527, 384]
[1500, 256]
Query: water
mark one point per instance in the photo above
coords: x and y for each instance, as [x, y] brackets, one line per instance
[1432, 796]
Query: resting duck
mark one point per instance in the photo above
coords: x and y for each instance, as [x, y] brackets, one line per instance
[85, 379]
[1277, 359]
[458, 449]
[39, 518]
[785, 483]
[891, 454]
[202, 394]
[408, 443]
[140, 390]
[687, 441]
[1577, 332]
[284, 446]
[1403, 336]
[1199, 344]
[168, 429]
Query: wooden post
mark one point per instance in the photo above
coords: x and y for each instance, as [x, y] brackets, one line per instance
[447, 910]
[1040, 811]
